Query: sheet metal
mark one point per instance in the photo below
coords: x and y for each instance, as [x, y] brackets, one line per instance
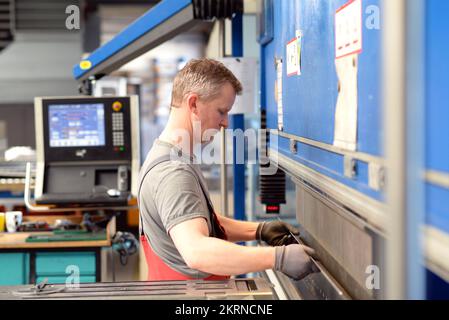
[319, 285]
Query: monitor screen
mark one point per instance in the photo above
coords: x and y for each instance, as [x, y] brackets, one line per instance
[76, 125]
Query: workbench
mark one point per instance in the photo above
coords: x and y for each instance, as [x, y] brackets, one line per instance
[30, 262]
[235, 289]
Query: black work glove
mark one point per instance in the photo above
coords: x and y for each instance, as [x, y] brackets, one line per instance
[294, 261]
[276, 233]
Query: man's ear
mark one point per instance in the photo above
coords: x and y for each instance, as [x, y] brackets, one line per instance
[192, 100]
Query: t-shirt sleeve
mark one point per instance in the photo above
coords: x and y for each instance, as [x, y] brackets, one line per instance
[178, 198]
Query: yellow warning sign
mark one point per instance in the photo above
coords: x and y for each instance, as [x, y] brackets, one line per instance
[117, 106]
[85, 64]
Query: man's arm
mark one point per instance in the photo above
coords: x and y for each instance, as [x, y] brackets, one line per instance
[216, 256]
[275, 233]
[238, 230]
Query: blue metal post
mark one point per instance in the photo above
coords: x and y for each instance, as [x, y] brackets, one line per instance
[237, 121]
[237, 36]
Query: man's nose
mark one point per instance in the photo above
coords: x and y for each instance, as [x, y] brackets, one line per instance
[225, 122]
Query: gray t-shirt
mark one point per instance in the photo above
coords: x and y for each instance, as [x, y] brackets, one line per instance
[170, 193]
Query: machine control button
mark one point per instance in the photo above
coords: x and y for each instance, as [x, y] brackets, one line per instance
[117, 106]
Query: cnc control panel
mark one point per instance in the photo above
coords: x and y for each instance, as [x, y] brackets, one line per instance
[87, 149]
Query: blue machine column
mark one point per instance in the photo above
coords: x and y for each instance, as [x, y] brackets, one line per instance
[237, 121]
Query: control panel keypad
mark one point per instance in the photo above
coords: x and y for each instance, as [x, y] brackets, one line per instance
[118, 138]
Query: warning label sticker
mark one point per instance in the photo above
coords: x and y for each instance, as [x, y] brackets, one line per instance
[348, 29]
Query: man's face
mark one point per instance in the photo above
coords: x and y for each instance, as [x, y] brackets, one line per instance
[213, 114]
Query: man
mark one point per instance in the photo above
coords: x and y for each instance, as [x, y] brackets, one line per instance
[183, 238]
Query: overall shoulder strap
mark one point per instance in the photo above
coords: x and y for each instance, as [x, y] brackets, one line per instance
[154, 163]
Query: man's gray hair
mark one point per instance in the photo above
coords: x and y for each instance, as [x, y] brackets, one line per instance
[204, 77]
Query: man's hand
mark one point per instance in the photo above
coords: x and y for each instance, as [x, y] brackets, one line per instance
[276, 233]
[294, 261]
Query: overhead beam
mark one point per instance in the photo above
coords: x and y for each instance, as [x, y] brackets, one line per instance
[158, 25]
